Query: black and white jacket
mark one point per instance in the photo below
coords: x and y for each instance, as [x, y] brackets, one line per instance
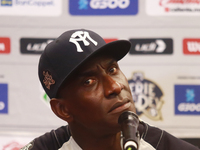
[152, 138]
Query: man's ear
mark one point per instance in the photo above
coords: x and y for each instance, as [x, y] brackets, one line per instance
[59, 108]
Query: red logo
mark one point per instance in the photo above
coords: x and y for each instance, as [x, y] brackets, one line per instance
[165, 2]
[4, 45]
[191, 46]
[109, 40]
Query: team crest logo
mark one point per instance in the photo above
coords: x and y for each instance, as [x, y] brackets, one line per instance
[48, 80]
[146, 96]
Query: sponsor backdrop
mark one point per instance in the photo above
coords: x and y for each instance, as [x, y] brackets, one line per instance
[163, 66]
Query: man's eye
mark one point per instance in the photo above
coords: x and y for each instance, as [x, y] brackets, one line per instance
[89, 82]
[113, 70]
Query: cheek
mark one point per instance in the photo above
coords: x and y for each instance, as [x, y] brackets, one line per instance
[87, 108]
[123, 80]
[91, 94]
[86, 101]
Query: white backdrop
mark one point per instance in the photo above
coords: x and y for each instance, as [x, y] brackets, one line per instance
[28, 114]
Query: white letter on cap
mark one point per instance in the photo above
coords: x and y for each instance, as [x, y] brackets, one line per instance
[81, 36]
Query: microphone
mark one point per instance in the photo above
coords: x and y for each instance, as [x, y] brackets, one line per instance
[129, 123]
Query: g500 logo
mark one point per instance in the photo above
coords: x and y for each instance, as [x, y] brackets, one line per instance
[103, 7]
[147, 97]
[112, 4]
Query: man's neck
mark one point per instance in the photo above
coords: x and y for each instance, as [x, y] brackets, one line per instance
[88, 141]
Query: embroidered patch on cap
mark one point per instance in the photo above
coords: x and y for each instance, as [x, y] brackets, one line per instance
[48, 80]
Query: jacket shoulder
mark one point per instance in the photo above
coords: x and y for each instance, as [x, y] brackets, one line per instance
[52, 140]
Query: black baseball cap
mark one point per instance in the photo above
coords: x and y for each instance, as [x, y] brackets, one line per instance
[63, 55]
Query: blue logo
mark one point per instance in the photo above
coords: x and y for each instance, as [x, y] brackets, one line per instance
[6, 2]
[83, 4]
[190, 95]
[187, 99]
[3, 98]
[103, 7]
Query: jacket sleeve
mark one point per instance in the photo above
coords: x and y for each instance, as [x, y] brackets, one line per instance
[49, 141]
[161, 140]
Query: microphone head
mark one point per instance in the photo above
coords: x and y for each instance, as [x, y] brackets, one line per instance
[127, 115]
[129, 123]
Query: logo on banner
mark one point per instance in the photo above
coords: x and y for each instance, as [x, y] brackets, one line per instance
[4, 45]
[3, 98]
[187, 99]
[42, 3]
[30, 7]
[109, 40]
[6, 2]
[44, 97]
[173, 7]
[191, 46]
[151, 46]
[33, 45]
[180, 5]
[147, 96]
[103, 7]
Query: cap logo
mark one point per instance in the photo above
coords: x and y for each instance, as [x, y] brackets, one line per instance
[81, 36]
[48, 80]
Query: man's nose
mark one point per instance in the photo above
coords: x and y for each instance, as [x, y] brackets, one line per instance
[111, 87]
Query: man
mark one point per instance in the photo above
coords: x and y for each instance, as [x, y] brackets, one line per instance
[80, 74]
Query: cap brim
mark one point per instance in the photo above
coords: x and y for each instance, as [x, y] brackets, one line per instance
[116, 49]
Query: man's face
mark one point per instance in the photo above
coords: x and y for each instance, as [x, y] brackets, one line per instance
[97, 94]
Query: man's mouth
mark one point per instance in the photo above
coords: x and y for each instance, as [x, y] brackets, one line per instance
[120, 106]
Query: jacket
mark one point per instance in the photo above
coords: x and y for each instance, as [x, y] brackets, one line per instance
[157, 138]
